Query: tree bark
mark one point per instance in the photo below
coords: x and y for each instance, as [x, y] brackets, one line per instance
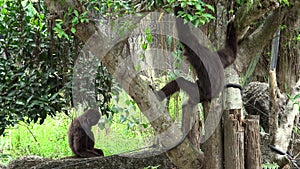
[288, 66]
[96, 162]
[233, 141]
[274, 107]
[249, 13]
[253, 45]
[252, 143]
[283, 136]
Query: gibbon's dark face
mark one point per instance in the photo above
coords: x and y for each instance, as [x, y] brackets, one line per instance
[93, 116]
[93, 120]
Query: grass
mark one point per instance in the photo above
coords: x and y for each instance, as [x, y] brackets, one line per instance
[50, 139]
[47, 140]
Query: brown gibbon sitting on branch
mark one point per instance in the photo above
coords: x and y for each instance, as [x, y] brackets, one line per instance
[81, 137]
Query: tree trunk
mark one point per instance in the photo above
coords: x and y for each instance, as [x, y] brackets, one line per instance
[288, 66]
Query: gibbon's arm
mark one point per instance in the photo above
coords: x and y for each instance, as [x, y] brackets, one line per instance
[227, 54]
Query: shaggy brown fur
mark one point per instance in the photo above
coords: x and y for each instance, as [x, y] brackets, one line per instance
[81, 137]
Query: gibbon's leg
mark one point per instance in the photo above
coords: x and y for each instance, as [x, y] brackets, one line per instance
[174, 86]
[91, 144]
[80, 144]
[166, 91]
[99, 151]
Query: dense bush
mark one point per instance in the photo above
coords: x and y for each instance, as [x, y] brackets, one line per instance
[36, 65]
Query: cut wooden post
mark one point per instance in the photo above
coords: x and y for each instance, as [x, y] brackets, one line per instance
[233, 141]
[213, 146]
[233, 129]
[274, 108]
[252, 143]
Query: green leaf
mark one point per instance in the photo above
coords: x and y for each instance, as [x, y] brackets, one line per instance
[128, 102]
[12, 93]
[145, 125]
[197, 23]
[84, 14]
[169, 40]
[73, 30]
[29, 99]
[130, 125]
[209, 16]
[53, 96]
[190, 17]
[75, 21]
[198, 7]
[137, 67]
[4, 11]
[84, 20]
[183, 4]
[286, 2]
[42, 16]
[144, 46]
[122, 118]
[210, 7]
[20, 103]
[76, 13]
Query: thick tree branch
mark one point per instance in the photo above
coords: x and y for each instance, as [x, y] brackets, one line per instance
[248, 13]
[114, 162]
[253, 45]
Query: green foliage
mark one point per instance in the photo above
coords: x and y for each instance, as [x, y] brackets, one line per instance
[77, 19]
[26, 93]
[59, 31]
[30, 84]
[128, 113]
[270, 166]
[148, 39]
[198, 12]
[240, 2]
[37, 66]
[103, 83]
[152, 167]
[111, 8]
[284, 2]
[294, 99]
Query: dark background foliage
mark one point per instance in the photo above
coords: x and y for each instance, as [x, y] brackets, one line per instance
[36, 65]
